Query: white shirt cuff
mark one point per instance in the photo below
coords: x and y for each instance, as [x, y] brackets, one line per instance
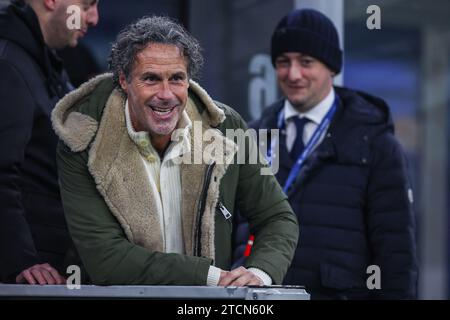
[213, 276]
[266, 279]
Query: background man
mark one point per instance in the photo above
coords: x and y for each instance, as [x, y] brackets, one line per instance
[136, 214]
[33, 232]
[351, 192]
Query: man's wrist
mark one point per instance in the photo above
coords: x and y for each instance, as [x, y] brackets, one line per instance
[265, 278]
[213, 276]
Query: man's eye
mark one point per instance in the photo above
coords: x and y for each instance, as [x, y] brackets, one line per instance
[87, 5]
[178, 78]
[150, 78]
[281, 63]
[307, 62]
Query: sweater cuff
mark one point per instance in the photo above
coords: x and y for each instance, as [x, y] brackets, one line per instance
[265, 278]
[213, 276]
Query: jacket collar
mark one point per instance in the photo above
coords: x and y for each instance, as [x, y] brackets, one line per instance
[78, 127]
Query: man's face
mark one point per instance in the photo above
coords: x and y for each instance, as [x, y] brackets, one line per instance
[157, 89]
[304, 80]
[63, 36]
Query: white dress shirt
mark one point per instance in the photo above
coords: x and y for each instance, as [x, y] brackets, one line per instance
[315, 115]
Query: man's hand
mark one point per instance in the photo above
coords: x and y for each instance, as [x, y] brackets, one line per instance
[40, 274]
[239, 277]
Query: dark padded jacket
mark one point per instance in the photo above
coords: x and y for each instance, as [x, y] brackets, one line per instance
[32, 80]
[353, 201]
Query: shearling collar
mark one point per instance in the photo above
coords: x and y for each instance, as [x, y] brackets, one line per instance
[77, 129]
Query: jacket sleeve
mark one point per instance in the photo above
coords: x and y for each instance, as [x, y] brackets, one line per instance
[262, 202]
[17, 250]
[391, 221]
[108, 256]
[241, 232]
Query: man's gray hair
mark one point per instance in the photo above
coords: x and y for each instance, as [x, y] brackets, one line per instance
[153, 29]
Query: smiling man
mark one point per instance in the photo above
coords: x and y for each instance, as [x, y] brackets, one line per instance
[157, 93]
[33, 232]
[342, 168]
[138, 216]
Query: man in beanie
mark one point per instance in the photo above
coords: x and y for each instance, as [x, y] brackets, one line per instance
[342, 169]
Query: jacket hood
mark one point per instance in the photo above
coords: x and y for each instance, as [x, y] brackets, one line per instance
[366, 109]
[19, 24]
[76, 117]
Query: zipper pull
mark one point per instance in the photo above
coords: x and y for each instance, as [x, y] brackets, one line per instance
[224, 211]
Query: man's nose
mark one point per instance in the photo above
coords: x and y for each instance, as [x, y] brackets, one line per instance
[295, 72]
[165, 92]
[92, 16]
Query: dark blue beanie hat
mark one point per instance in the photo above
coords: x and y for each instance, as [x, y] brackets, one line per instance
[309, 32]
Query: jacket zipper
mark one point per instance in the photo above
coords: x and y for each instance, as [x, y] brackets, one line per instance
[201, 210]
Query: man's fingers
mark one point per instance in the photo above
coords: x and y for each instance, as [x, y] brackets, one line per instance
[46, 266]
[38, 276]
[243, 280]
[55, 274]
[40, 273]
[256, 281]
[231, 276]
[240, 277]
[20, 278]
[227, 279]
[249, 279]
[28, 276]
[47, 276]
[60, 279]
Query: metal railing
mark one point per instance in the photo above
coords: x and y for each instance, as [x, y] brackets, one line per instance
[153, 292]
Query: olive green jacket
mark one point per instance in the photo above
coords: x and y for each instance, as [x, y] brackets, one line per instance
[111, 210]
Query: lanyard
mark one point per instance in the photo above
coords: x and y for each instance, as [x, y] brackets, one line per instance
[308, 148]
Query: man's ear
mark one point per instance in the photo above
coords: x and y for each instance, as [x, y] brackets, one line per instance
[123, 82]
[51, 5]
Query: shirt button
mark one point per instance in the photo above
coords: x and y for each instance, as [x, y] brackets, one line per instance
[151, 158]
[143, 143]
